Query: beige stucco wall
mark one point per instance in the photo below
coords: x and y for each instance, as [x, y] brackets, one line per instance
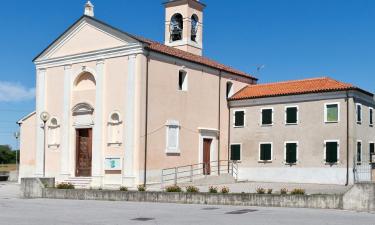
[27, 147]
[198, 107]
[311, 132]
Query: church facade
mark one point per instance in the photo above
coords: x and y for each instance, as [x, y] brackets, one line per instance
[117, 109]
[122, 107]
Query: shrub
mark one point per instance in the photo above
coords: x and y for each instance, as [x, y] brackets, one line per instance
[212, 190]
[224, 190]
[192, 189]
[269, 191]
[284, 191]
[141, 188]
[122, 188]
[173, 188]
[261, 191]
[65, 186]
[298, 191]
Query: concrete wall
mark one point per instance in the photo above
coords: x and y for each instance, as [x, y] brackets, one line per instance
[361, 197]
[33, 188]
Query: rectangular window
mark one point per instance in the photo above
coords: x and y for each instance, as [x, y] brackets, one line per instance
[182, 81]
[371, 116]
[359, 152]
[173, 129]
[359, 113]
[331, 152]
[291, 152]
[332, 113]
[229, 89]
[371, 150]
[291, 115]
[265, 152]
[239, 118]
[235, 152]
[267, 116]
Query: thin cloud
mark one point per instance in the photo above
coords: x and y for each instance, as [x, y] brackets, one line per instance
[15, 92]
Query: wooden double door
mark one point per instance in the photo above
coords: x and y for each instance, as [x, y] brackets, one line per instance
[83, 152]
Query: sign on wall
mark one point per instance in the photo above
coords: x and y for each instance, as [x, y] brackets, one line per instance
[113, 163]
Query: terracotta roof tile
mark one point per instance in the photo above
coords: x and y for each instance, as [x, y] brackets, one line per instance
[161, 48]
[314, 85]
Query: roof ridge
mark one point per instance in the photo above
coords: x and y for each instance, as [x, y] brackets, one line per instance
[299, 80]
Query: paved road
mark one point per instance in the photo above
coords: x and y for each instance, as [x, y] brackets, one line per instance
[50, 212]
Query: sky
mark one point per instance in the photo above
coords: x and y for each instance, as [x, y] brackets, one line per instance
[293, 39]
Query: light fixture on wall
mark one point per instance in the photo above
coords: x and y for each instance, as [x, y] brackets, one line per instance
[44, 116]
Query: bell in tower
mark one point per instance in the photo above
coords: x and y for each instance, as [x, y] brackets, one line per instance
[184, 25]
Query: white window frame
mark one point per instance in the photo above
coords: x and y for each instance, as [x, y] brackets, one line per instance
[326, 111]
[176, 150]
[285, 118]
[184, 86]
[356, 151]
[265, 161]
[234, 118]
[297, 150]
[240, 144]
[261, 117]
[325, 150]
[356, 113]
[371, 109]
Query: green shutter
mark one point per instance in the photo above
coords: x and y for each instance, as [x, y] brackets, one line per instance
[239, 118]
[265, 152]
[359, 152]
[267, 116]
[332, 113]
[235, 152]
[372, 150]
[331, 152]
[291, 115]
[291, 153]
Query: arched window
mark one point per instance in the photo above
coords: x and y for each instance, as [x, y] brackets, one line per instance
[54, 132]
[194, 27]
[114, 129]
[176, 27]
[229, 89]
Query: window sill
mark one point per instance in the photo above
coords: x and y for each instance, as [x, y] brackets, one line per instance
[267, 125]
[331, 164]
[264, 161]
[117, 144]
[291, 124]
[173, 152]
[290, 164]
[359, 122]
[331, 122]
[238, 126]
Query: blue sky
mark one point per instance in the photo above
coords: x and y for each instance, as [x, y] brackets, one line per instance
[294, 39]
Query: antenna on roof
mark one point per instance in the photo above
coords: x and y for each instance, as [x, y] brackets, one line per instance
[259, 68]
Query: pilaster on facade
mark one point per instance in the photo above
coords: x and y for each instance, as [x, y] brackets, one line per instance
[66, 122]
[40, 107]
[97, 153]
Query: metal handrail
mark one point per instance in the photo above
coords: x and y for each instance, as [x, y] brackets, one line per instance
[177, 174]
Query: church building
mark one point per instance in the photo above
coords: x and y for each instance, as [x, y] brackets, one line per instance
[116, 109]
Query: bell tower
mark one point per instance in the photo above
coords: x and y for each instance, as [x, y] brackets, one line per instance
[184, 25]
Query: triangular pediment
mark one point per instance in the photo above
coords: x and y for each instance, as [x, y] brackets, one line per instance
[86, 35]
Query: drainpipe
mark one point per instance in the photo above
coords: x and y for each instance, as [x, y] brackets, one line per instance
[146, 123]
[347, 138]
[219, 126]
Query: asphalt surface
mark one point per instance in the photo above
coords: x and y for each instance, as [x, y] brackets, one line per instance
[14, 210]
